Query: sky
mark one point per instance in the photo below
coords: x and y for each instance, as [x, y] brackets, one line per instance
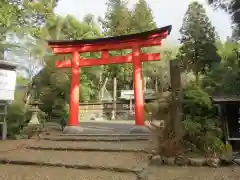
[166, 12]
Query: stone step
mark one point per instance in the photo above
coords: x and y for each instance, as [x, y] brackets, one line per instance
[11, 172]
[133, 146]
[60, 137]
[127, 160]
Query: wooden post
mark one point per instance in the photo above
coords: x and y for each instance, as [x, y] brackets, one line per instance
[176, 104]
[3, 121]
[114, 98]
[145, 83]
[156, 85]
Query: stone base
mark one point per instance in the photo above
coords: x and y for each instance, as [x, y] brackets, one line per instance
[140, 130]
[34, 119]
[72, 130]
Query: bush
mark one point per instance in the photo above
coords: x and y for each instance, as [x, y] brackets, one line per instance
[196, 102]
[18, 117]
[201, 127]
[203, 135]
[15, 118]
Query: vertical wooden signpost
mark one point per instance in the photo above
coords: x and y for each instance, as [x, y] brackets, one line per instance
[176, 104]
[3, 122]
[134, 42]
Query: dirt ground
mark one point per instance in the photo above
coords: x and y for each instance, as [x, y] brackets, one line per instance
[194, 173]
[6, 146]
[11, 172]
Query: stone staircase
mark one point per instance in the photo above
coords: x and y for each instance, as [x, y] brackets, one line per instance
[93, 157]
[84, 157]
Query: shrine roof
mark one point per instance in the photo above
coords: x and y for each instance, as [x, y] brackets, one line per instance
[115, 39]
[225, 99]
[7, 65]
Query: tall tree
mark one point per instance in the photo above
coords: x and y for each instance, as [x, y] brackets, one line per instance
[11, 18]
[116, 22]
[224, 78]
[235, 34]
[143, 20]
[117, 18]
[53, 84]
[142, 17]
[198, 38]
[37, 13]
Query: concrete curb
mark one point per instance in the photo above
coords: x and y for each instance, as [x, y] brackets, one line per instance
[94, 140]
[72, 130]
[82, 167]
[107, 135]
[86, 149]
[111, 121]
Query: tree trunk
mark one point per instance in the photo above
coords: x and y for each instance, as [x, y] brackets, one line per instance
[102, 88]
[160, 88]
[114, 98]
[156, 85]
[145, 83]
[197, 77]
[2, 40]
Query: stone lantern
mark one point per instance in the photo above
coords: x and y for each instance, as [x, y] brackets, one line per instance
[34, 109]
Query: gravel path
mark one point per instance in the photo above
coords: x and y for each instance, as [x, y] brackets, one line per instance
[92, 145]
[106, 159]
[12, 145]
[11, 172]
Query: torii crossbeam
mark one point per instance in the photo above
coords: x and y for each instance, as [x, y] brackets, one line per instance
[104, 45]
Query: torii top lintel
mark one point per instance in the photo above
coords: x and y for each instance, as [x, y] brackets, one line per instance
[144, 39]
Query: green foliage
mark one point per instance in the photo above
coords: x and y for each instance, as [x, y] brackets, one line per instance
[116, 22]
[196, 102]
[37, 13]
[52, 88]
[10, 21]
[223, 79]
[15, 118]
[198, 38]
[23, 18]
[203, 135]
[142, 17]
[53, 84]
[117, 19]
[201, 127]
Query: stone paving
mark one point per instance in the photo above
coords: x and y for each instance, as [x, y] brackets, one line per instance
[85, 157]
[16, 172]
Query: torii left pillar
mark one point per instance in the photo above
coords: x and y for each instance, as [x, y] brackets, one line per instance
[73, 123]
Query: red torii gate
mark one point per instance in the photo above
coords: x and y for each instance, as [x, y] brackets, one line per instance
[104, 45]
